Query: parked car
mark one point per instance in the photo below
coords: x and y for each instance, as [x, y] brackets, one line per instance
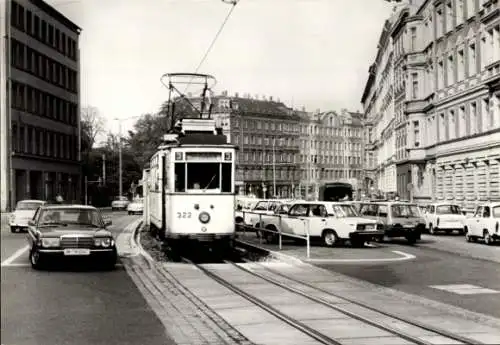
[25, 210]
[332, 222]
[136, 206]
[484, 224]
[120, 203]
[445, 217]
[70, 231]
[400, 219]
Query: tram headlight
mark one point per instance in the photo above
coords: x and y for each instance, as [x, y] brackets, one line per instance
[204, 217]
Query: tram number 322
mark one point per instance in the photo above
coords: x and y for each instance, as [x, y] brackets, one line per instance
[183, 214]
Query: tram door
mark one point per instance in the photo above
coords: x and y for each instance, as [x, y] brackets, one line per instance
[164, 174]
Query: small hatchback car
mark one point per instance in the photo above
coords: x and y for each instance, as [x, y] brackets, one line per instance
[70, 231]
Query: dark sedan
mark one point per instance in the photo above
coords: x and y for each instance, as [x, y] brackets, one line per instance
[70, 231]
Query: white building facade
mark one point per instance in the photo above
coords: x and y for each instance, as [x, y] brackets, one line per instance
[448, 115]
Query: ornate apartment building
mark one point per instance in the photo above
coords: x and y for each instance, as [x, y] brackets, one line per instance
[40, 100]
[267, 133]
[331, 150]
[445, 66]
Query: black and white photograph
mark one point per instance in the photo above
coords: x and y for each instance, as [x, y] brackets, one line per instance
[250, 172]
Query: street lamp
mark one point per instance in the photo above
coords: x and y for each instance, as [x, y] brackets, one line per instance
[274, 164]
[120, 172]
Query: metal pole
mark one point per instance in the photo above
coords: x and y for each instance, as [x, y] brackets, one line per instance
[86, 197]
[120, 186]
[274, 168]
[103, 169]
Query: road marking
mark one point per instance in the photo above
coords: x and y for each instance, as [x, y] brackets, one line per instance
[403, 256]
[464, 289]
[14, 256]
[28, 265]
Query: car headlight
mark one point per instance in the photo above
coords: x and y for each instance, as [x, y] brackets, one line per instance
[360, 227]
[380, 226]
[50, 242]
[103, 242]
[204, 217]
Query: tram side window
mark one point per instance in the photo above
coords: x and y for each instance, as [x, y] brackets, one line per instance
[227, 178]
[180, 174]
[203, 176]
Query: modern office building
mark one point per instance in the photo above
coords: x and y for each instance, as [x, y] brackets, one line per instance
[40, 101]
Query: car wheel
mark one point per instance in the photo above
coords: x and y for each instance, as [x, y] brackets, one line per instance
[431, 230]
[129, 213]
[412, 239]
[330, 238]
[487, 238]
[36, 259]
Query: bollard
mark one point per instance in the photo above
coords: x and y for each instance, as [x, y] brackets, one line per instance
[279, 232]
[308, 240]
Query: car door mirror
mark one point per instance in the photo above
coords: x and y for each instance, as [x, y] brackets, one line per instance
[31, 222]
[108, 222]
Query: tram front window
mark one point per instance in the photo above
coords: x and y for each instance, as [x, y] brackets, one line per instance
[203, 176]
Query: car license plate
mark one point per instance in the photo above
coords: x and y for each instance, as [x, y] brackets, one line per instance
[76, 251]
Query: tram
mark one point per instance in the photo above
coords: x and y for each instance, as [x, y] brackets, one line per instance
[192, 185]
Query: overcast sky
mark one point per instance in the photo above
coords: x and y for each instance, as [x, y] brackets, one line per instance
[315, 53]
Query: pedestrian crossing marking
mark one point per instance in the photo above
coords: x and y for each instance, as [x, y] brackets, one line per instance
[464, 289]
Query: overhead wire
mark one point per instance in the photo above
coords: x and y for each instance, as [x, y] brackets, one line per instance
[233, 6]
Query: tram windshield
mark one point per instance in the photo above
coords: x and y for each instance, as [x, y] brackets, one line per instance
[207, 176]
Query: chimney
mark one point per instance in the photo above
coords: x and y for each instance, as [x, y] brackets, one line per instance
[256, 96]
[190, 94]
[303, 108]
[224, 93]
[236, 95]
[270, 98]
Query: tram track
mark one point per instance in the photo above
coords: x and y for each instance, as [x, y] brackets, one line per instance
[390, 323]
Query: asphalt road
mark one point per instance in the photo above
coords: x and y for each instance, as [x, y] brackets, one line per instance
[440, 260]
[75, 306]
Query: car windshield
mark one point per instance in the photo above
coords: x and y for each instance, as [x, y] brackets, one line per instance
[121, 198]
[345, 210]
[448, 209]
[70, 216]
[138, 200]
[27, 205]
[405, 211]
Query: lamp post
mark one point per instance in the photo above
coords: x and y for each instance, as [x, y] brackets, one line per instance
[274, 164]
[120, 172]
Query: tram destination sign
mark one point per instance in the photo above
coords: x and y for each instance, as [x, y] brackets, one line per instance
[203, 156]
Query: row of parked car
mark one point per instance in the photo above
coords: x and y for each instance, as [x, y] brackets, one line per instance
[363, 221]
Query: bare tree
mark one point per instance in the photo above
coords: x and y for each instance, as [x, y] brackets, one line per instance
[93, 124]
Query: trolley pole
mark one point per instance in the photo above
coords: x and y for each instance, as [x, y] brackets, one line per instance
[120, 175]
[103, 169]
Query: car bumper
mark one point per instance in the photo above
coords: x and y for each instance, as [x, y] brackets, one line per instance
[403, 232]
[201, 237]
[367, 234]
[449, 226]
[95, 254]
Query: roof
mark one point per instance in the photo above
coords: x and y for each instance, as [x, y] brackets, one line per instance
[56, 15]
[250, 106]
[75, 206]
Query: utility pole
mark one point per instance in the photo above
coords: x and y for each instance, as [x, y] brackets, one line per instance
[104, 169]
[86, 183]
[120, 176]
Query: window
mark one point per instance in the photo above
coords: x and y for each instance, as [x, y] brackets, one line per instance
[299, 210]
[485, 114]
[450, 75]
[472, 59]
[29, 22]
[203, 176]
[36, 27]
[22, 147]
[460, 12]
[473, 118]
[461, 65]
[416, 133]
[462, 130]
[14, 138]
[440, 75]
[439, 23]
[452, 127]
[449, 16]
[448, 209]
[414, 83]
[471, 10]
[413, 39]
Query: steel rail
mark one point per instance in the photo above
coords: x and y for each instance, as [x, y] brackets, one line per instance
[265, 306]
[414, 323]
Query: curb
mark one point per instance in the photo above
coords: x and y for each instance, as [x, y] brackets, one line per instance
[135, 241]
[274, 254]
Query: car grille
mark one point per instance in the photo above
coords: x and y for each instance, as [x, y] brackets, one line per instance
[77, 242]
